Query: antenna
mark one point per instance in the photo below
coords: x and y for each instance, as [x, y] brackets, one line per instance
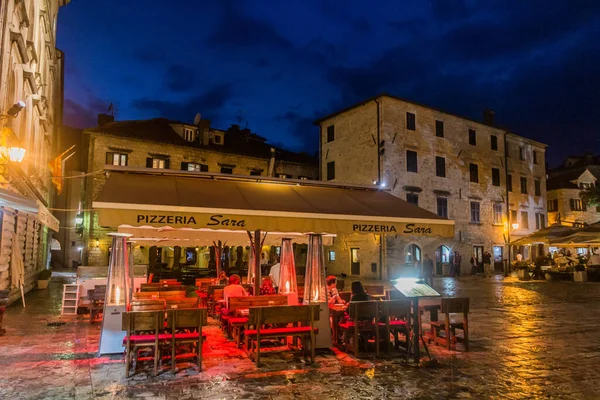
[239, 118]
[197, 119]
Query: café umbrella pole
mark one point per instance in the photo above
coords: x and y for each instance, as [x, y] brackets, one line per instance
[257, 272]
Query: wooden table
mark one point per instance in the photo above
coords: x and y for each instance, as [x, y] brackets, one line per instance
[337, 312]
[242, 312]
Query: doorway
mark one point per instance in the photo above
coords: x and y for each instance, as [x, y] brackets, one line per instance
[498, 258]
[354, 261]
[412, 256]
[478, 255]
[442, 256]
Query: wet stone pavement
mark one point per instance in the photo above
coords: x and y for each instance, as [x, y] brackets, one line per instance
[528, 340]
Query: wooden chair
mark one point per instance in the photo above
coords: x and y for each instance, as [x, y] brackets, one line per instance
[363, 315]
[302, 319]
[186, 328]
[143, 331]
[204, 283]
[185, 303]
[234, 325]
[172, 288]
[148, 305]
[394, 294]
[216, 298]
[396, 319]
[97, 297]
[452, 305]
[169, 282]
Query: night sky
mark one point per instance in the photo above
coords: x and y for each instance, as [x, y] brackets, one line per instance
[279, 65]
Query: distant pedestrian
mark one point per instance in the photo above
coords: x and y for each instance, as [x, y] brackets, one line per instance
[473, 262]
[427, 272]
[456, 264]
[488, 270]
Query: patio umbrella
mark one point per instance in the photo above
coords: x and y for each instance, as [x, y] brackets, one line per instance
[17, 267]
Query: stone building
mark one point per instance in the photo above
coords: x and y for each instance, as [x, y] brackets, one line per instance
[31, 82]
[490, 181]
[164, 144]
[565, 184]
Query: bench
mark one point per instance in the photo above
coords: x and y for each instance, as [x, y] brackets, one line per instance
[96, 296]
[301, 318]
[145, 329]
[233, 325]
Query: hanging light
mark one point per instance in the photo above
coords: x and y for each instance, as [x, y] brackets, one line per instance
[79, 219]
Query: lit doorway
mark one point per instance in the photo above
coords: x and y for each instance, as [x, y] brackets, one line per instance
[498, 258]
[442, 256]
[354, 261]
[478, 255]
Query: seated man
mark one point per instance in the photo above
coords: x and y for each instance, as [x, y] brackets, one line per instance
[234, 289]
[332, 292]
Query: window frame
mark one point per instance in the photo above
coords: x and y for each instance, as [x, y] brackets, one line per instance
[440, 167]
[475, 209]
[331, 170]
[523, 181]
[472, 137]
[522, 153]
[414, 196]
[552, 205]
[524, 219]
[409, 154]
[113, 154]
[200, 167]
[497, 213]
[158, 163]
[439, 128]
[537, 187]
[330, 133]
[411, 121]
[509, 183]
[442, 206]
[496, 177]
[494, 142]
[535, 157]
[473, 173]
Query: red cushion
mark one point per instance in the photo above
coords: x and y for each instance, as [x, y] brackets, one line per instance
[281, 331]
[394, 323]
[238, 320]
[225, 318]
[161, 337]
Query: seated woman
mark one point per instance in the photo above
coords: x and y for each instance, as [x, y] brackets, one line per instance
[332, 292]
[223, 279]
[267, 286]
[358, 292]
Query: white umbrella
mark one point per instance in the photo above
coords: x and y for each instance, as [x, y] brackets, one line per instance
[17, 267]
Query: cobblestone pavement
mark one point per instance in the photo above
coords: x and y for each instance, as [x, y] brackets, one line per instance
[528, 340]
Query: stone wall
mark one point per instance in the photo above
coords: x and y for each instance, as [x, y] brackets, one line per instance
[97, 242]
[590, 216]
[355, 152]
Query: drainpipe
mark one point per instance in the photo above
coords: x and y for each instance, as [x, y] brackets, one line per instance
[272, 163]
[508, 227]
[377, 148]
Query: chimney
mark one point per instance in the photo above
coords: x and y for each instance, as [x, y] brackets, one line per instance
[272, 163]
[104, 119]
[488, 116]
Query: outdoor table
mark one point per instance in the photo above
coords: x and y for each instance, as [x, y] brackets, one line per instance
[377, 296]
[242, 312]
[432, 306]
[337, 312]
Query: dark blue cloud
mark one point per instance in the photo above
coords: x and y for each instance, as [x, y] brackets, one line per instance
[284, 64]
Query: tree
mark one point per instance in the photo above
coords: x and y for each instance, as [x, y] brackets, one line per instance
[591, 195]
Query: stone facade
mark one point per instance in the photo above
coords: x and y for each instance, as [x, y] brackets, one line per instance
[370, 144]
[564, 195]
[211, 156]
[31, 70]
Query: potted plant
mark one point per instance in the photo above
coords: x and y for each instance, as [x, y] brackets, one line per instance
[43, 278]
[522, 268]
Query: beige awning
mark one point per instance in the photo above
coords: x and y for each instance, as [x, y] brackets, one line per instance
[149, 199]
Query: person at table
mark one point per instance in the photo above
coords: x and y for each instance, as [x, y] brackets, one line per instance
[267, 286]
[358, 292]
[332, 292]
[234, 289]
[274, 274]
[223, 279]
[428, 270]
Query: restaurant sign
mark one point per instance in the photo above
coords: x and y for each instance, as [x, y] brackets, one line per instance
[117, 217]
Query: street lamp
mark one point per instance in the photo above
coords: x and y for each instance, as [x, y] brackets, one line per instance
[12, 153]
[515, 226]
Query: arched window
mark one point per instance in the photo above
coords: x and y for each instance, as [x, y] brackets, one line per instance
[412, 254]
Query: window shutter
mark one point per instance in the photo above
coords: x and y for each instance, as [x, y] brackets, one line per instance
[109, 158]
[184, 166]
[149, 162]
[203, 168]
[167, 161]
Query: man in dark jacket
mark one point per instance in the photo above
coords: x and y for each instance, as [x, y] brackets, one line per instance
[428, 270]
[487, 264]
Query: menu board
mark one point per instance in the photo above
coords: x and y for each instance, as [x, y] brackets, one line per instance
[414, 287]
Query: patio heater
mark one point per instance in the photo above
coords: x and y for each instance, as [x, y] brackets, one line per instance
[118, 289]
[287, 273]
[315, 289]
[251, 265]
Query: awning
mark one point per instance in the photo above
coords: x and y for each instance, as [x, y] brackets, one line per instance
[147, 199]
[547, 236]
[23, 203]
